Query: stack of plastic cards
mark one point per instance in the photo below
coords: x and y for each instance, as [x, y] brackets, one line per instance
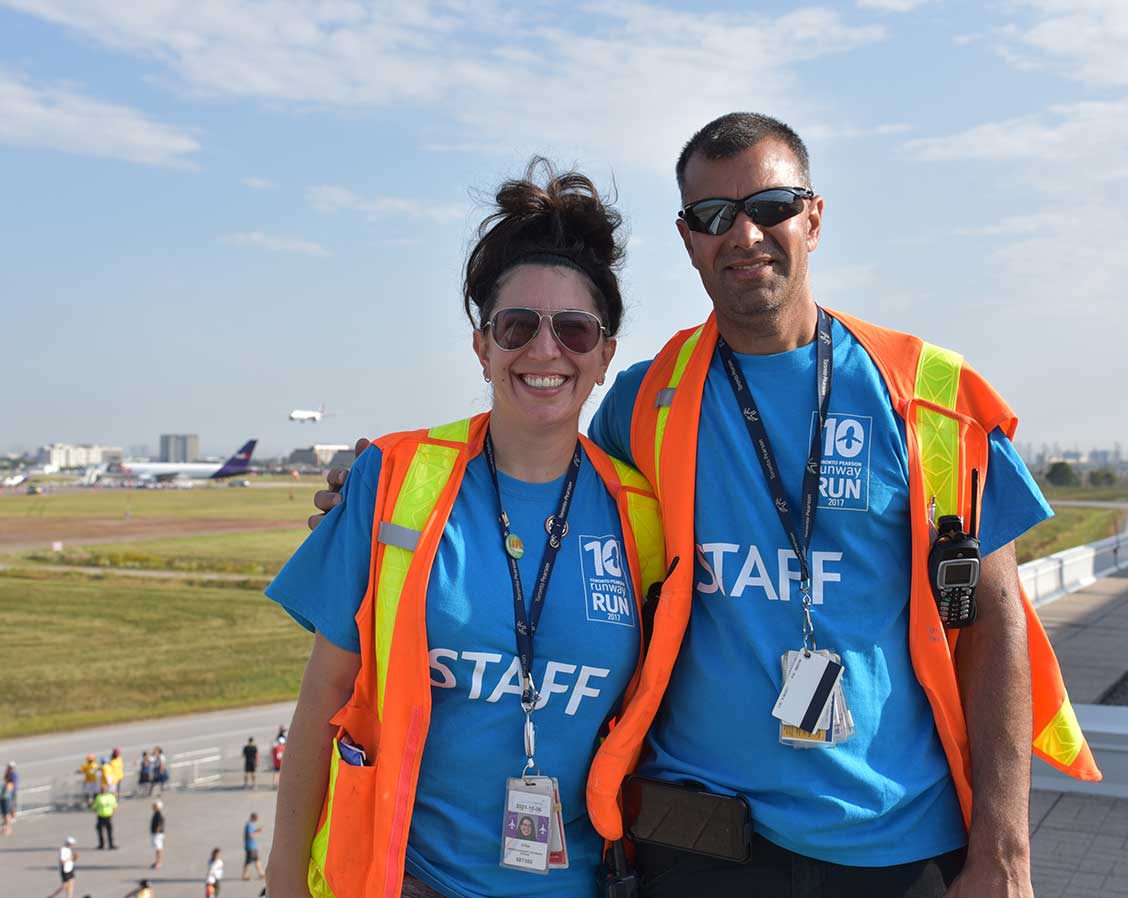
[835, 723]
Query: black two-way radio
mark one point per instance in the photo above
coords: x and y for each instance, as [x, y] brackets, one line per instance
[953, 565]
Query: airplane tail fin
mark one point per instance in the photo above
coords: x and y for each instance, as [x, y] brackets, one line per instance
[239, 463]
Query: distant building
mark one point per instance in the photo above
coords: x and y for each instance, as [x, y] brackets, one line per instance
[343, 458]
[318, 456]
[180, 447]
[67, 455]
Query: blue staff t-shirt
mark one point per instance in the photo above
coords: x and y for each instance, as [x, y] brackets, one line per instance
[586, 650]
[885, 796]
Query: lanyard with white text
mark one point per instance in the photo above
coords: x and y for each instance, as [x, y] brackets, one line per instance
[809, 501]
[524, 625]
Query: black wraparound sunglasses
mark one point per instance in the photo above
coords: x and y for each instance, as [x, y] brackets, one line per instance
[766, 208]
[575, 330]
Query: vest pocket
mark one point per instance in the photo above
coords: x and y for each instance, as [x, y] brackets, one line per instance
[342, 845]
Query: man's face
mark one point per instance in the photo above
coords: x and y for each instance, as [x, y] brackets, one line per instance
[751, 271]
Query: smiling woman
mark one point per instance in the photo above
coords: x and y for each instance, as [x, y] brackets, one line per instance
[504, 530]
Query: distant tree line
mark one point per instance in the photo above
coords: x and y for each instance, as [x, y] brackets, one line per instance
[1062, 473]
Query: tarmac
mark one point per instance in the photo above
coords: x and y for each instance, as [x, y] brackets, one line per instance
[1079, 842]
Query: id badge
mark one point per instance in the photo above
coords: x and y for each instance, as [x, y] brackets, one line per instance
[833, 724]
[530, 805]
[807, 689]
[557, 844]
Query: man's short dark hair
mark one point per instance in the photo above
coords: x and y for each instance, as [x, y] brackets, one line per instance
[736, 132]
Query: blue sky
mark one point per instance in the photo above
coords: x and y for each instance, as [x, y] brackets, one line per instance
[216, 211]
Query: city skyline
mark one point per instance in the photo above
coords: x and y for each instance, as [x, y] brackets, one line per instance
[219, 212]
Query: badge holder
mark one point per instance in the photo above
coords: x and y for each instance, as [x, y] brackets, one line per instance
[811, 707]
[532, 837]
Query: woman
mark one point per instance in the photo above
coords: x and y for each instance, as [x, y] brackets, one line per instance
[429, 706]
[214, 875]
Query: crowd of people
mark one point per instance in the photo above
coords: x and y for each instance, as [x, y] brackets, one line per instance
[101, 785]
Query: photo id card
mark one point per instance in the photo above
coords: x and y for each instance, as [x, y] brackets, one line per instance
[529, 809]
[807, 690]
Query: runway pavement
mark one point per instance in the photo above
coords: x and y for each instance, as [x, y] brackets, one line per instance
[198, 818]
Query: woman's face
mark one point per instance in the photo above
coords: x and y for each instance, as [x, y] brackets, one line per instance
[526, 827]
[542, 384]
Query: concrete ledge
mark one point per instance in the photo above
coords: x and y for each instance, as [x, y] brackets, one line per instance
[1054, 576]
[1106, 729]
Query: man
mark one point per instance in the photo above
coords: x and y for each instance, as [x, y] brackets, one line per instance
[250, 763]
[251, 831]
[814, 531]
[67, 858]
[90, 772]
[157, 834]
[105, 803]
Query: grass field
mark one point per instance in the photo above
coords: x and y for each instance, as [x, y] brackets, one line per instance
[81, 651]
[201, 502]
[1069, 527]
[1087, 493]
[258, 553]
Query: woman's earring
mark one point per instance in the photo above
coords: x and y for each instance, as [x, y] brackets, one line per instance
[486, 375]
[602, 377]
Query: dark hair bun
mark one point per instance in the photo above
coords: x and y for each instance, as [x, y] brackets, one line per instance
[547, 218]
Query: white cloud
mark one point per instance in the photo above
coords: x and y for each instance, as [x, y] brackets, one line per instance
[276, 243]
[1083, 39]
[629, 89]
[1092, 137]
[329, 198]
[891, 5]
[57, 117]
[851, 132]
[259, 183]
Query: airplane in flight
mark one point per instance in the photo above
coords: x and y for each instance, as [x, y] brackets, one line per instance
[162, 471]
[306, 414]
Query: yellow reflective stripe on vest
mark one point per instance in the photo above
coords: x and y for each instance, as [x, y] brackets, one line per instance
[937, 381]
[646, 524]
[456, 432]
[428, 473]
[319, 848]
[1062, 738]
[664, 411]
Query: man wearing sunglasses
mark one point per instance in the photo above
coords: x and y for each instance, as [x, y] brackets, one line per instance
[877, 815]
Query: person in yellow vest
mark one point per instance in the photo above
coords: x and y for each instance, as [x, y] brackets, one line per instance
[804, 459]
[476, 599]
[90, 770]
[105, 803]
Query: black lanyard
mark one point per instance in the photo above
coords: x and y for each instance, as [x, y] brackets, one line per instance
[809, 502]
[525, 625]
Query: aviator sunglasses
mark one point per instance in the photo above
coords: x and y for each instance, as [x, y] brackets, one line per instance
[576, 331]
[766, 208]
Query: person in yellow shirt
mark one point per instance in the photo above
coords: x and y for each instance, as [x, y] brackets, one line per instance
[117, 762]
[90, 771]
[106, 775]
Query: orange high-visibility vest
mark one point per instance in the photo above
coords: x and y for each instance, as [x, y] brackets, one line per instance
[361, 839]
[949, 410]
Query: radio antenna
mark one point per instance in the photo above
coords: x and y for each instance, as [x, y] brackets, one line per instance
[972, 528]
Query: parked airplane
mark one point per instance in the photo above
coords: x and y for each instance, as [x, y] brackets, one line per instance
[14, 480]
[238, 464]
[305, 414]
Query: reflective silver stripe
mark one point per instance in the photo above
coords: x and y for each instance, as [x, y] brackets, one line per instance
[665, 397]
[394, 535]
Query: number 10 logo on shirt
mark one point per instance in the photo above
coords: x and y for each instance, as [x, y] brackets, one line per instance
[607, 595]
[844, 478]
